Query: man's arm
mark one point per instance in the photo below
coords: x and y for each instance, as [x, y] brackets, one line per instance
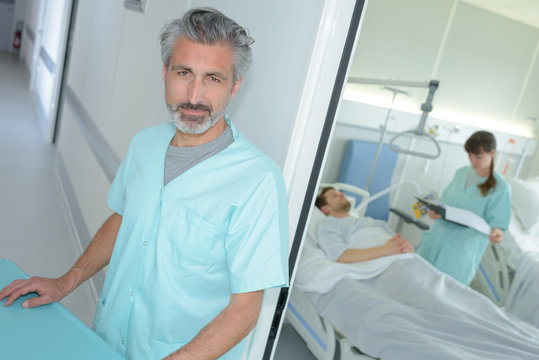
[94, 258]
[225, 330]
[395, 245]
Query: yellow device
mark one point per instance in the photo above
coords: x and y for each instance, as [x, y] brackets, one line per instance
[420, 209]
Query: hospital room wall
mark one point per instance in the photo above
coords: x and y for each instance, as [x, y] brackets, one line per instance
[488, 70]
[486, 62]
[430, 175]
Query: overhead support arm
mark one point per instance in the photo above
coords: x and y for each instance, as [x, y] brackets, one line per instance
[426, 108]
[382, 82]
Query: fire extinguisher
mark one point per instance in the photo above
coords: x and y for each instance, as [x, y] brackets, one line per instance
[17, 36]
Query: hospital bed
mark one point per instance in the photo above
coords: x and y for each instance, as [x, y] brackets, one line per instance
[325, 339]
[321, 337]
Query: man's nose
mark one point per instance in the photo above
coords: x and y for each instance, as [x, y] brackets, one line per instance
[195, 91]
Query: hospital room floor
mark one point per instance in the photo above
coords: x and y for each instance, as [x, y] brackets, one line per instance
[291, 346]
[36, 234]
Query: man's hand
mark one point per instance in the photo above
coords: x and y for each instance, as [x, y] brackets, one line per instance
[49, 290]
[398, 245]
[94, 258]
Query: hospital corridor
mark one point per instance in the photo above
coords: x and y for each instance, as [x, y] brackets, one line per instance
[37, 234]
[406, 134]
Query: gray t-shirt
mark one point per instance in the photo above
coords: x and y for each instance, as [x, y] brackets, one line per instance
[180, 159]
[336, 235]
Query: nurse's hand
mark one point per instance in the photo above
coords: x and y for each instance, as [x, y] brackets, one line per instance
[496, 235]
[49, 290]
[434, 215]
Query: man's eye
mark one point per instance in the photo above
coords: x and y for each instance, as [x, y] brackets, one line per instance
[183, 73]
[215, 79]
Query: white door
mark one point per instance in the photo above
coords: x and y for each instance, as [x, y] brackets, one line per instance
[48, 68]
[6, 21]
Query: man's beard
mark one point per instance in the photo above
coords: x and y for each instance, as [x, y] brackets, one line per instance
[194, 124]
[346, 206]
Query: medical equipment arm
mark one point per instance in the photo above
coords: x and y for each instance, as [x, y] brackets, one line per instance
[403, 217]
[94, 258]
[420, 131]
[226, 330]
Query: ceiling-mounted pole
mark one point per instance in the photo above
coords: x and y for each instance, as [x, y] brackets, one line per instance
[368, 81]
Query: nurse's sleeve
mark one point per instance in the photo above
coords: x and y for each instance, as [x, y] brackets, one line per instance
[498, 210]
[116, 195]
[257, 239]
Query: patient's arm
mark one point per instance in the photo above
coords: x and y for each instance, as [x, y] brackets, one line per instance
[395, 245]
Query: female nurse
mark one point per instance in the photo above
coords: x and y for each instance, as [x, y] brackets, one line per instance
[455, 249]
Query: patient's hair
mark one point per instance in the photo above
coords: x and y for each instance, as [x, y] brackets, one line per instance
[479, 142]
[208, 26]
[321, 198]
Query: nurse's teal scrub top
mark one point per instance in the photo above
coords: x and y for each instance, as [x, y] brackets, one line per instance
[182, 249]
[457, 250]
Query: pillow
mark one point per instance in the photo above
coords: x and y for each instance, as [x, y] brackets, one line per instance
[525, 202]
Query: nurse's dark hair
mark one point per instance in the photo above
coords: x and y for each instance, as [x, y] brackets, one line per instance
[321, 198]
[209, 27]
[478, 142]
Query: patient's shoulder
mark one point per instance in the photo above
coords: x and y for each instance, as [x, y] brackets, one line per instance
[330, 223]
[327, 221]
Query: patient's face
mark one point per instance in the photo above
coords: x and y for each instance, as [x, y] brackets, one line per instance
[337, 201]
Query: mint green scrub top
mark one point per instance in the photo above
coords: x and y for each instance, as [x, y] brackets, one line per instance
[457, 250]
[183, 249]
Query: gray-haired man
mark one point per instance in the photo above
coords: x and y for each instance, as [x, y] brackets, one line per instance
[199, 228]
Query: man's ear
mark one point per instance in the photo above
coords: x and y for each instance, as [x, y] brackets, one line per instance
[164, 72]
[236, 87]
[325, 209]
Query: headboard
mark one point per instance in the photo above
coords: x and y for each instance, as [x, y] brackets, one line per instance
[356, 167]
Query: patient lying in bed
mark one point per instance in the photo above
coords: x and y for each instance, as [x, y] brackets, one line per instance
[338, 234]
[392, 304]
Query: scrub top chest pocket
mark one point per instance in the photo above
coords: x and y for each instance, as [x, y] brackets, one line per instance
[190, 240]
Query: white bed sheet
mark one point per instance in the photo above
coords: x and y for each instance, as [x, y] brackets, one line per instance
[518, 241]
[402, 305]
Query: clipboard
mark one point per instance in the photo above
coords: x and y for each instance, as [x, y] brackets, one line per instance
[458, 216]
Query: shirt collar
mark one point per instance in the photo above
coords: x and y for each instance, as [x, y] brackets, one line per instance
[235, 132]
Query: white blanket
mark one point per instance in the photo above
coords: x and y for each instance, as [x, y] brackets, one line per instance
[318, 274]
[400, 307]
[523, 297]
[517, 242]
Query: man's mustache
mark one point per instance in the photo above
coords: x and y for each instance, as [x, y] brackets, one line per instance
[190, 106]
